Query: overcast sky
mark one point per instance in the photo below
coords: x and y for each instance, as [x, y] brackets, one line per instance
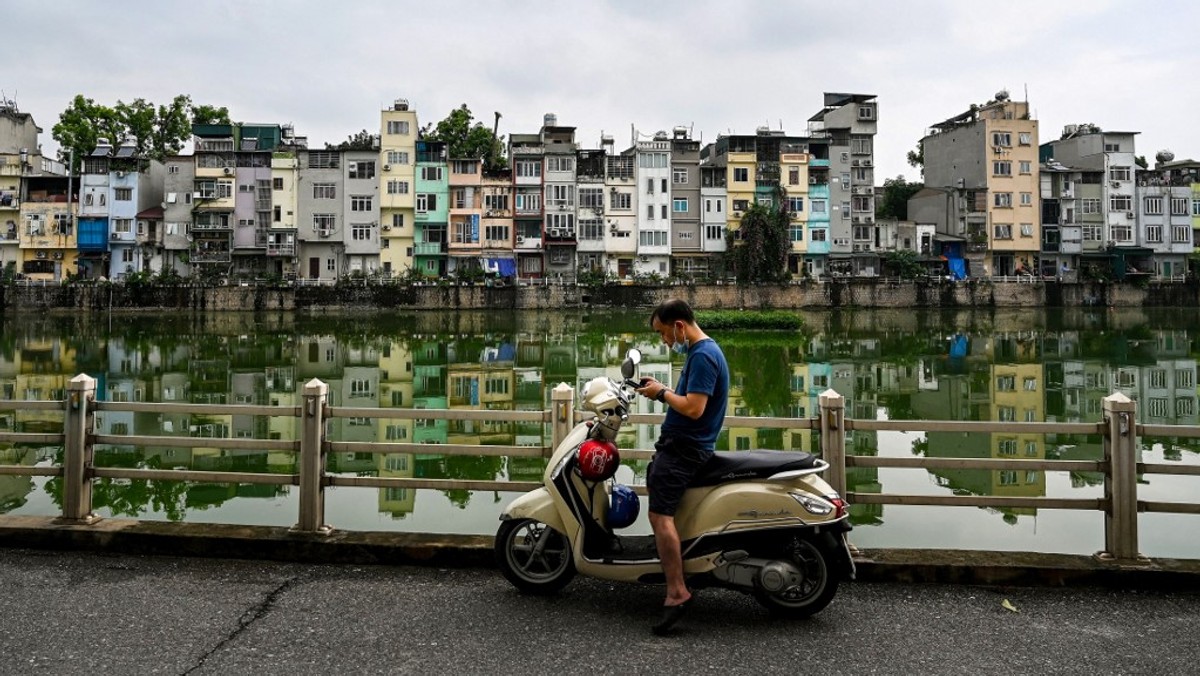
[717, 66]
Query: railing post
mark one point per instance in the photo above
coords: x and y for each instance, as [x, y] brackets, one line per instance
[312, 459]
[1120, 479]
[832, 407]
[562, 414]
[77, 450]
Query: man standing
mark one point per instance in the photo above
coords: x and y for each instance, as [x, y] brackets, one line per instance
[695, 414]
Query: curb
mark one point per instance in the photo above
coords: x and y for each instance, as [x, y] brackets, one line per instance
[160, 538]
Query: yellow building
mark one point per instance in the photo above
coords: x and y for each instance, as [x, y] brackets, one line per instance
[793, 179]
[283, 233]
[397, 153]
[1017, 396]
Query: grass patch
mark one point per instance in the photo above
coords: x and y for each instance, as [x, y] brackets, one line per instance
[749, 320]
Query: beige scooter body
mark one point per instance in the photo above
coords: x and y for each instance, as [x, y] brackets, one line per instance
[778, 534]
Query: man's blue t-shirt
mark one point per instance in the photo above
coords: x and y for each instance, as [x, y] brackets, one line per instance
[705, 371]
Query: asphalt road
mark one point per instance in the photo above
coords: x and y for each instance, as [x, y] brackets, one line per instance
[86, 613]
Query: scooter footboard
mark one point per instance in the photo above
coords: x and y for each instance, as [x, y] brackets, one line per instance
[537, 505]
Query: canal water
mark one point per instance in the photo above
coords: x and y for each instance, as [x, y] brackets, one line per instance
[1053, 365]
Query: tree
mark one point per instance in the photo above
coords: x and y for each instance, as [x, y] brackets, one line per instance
[761, 255]
[466, 140]
[896, 193]
[916, 158]
[157, 131]
[363, 140]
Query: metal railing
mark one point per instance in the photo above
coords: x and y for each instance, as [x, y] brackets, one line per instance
[1118, 430]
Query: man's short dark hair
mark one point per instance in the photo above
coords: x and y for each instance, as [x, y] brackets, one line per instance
[673, 310]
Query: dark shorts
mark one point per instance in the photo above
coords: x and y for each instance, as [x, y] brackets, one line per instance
[672, 468]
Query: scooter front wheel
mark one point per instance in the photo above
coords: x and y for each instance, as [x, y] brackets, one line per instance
[804, 583]
[534, 557]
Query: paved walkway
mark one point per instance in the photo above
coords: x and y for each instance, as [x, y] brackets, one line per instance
[89, 613]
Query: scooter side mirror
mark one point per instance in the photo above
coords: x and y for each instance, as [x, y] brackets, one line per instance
[629, 366]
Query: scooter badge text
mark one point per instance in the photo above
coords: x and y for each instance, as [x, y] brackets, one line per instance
[755, 514]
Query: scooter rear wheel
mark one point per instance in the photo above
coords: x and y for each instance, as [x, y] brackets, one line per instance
[818, 584]
[534, 557]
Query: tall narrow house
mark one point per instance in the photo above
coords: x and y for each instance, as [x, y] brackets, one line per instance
[397, 195]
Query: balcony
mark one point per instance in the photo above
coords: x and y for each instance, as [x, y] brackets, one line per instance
[429, 249]
[281, 249]
[211, 256]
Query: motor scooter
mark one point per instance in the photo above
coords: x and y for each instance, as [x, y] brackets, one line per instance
[761, 522]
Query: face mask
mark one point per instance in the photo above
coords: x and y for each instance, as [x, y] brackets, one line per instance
[678, 347]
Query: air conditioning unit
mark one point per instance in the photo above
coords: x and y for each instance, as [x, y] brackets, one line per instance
[114, 236]
[1115, 184]
[860, 247]
[386, 226]
[197, 196]
[323, 233]
[120, 174]
[868, 219]
[520, 239]
[812, 180]
[58, 255]
[41, 254]
[1128, 214]
[997, 149]
[854, 163]
[387, 167]
[489, 214]
[866, 163]
[228, 171]
[856, 219]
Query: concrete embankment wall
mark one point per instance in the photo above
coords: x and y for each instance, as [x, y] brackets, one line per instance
[864, 293]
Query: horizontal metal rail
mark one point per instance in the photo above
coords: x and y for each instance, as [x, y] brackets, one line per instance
[439, 449]
[1167, 507]
[1182, 431]
[439, 414]
[31, 405]
[976, 501]
[972, 426]
[32, 438]
[433, 484]
[198, 442]
[976, 463]
[25, 470]
[1163, 468]
[204, 409]
[195, 475]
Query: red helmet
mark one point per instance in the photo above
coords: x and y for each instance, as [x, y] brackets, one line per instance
[598, 460]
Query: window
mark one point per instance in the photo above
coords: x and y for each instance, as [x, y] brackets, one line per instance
[1153, 206]
[650, 212]
[793, 175]
[1026, 199]
[1025, 138]
[323, 224]
[1181, 233]
[123, 194]
[866, 113]
[714, 232]
[1092, 233]
[560, 163]
[1003, 230]
[397, 127]
[464, 167]
[361, 203]
[591, 198]
[495, 201]
[741, 174]
[796, 233]
[224, 190]
[1003, 168]
[1195, 207]
[819, 235]
[664, 185]
[173, 169]
[1089, 206]
[649, 186]
[1003, 200]
[796, 205]
[431, 173]
[496, 232]
[1002, 138]
[664, 212]
[860, 146]
[1027, 229]
[323, 159]
[277, 184]
[1025, 167]
[395, 187]
[1006, 383]
[620, 201]
[560, 195]
[1122, 233]
[679, 176]
[679, 205]
[397, 157]
[845, 210]
[426, 202]
[1154, 233]
[1112, 147]
[1179, 206]
[1118, 174]
[362, 169]
[324, 191]
[1120, 203]
[397, 220]
[330, 266]
[529, 169]
[741, 205]
[361, 232]
[528, 201]
[818, 206]
[652, 160]
[652, 238]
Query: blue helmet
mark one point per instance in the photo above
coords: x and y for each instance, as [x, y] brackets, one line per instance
[623, 507]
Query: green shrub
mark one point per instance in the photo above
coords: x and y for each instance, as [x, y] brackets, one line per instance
[774, 320]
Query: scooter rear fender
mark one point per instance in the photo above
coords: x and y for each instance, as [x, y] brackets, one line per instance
[537, 505]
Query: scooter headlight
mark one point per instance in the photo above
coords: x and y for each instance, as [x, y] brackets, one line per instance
[813, 505]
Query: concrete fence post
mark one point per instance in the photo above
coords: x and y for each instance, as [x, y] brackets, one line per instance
[832, 408]
[562, 415]
[312, 458]
[78, 449]
[1120, 478]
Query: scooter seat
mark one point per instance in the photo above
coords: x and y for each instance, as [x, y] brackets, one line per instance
[727, 466]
